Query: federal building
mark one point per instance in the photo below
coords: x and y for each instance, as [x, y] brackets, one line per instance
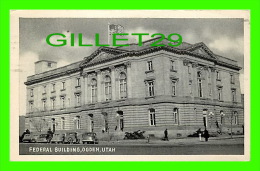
[130, 88]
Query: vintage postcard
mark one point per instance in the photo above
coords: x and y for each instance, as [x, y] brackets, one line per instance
[121, 85]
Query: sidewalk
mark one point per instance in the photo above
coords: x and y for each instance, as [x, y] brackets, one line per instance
[237, 139]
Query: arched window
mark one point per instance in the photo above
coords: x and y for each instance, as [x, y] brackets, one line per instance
[108, 90]
[93, 90]
[152, 117]
[122, 86]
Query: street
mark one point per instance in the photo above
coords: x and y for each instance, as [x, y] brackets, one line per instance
[190, 146]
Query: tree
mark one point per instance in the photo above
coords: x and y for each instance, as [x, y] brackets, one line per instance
[40, 124]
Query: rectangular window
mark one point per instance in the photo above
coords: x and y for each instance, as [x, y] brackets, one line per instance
[31, 92]
[150, 88]
[62, 123]
[235, 115]
[152, 117]
[62, 102]
[78, 81]
[233, 95]
[77, 122]
[219, 94]
[53, 87]
[173, 67]
[53, 104]
[30, 106]
[78, 100]
[189, 71]
[49, 64]
[44, 90]
[232, 79]
[218, 75]
[175, 116]
[150, 65]
[174, 88]
[63, 85]
[44, 105]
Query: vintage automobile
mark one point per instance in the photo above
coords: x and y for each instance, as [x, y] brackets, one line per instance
[58, 138]
[89, 138]
[44, 138]
[30, 138]
[71, 138]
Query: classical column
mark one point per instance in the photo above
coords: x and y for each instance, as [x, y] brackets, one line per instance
[129, 80]
[85, 93]
[99, 86]
[113, 82]
[214, 82]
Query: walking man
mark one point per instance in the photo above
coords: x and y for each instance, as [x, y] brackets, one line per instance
[166, 135]
[206, 135]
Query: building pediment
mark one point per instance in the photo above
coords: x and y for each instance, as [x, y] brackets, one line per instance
[202, 49]
[100, 55]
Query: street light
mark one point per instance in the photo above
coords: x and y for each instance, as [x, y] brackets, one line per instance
[211, 114]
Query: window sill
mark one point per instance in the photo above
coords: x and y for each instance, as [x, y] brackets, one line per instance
[43, 93]
[150, 71]
[53, 91]
[77, 106]
[150, 97]
[52, 109]
[173, 70]
[63, 89]
[120, 100]
[218, 79]
[77, 86]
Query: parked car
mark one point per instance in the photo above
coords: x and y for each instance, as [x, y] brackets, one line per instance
[71, 138]
[30, 138]
[89, 138]
[58, 138]
[44, 138]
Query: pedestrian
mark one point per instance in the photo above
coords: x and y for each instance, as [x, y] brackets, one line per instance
[166, 135]
[206, 135]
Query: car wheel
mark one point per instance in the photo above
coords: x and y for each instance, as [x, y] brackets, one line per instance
[70, 141]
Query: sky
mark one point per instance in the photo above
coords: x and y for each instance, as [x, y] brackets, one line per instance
[224, 37]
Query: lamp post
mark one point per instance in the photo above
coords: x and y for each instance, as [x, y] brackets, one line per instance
[211, 114]
[231, 121]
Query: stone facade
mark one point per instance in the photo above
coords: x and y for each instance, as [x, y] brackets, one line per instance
[131, 88]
